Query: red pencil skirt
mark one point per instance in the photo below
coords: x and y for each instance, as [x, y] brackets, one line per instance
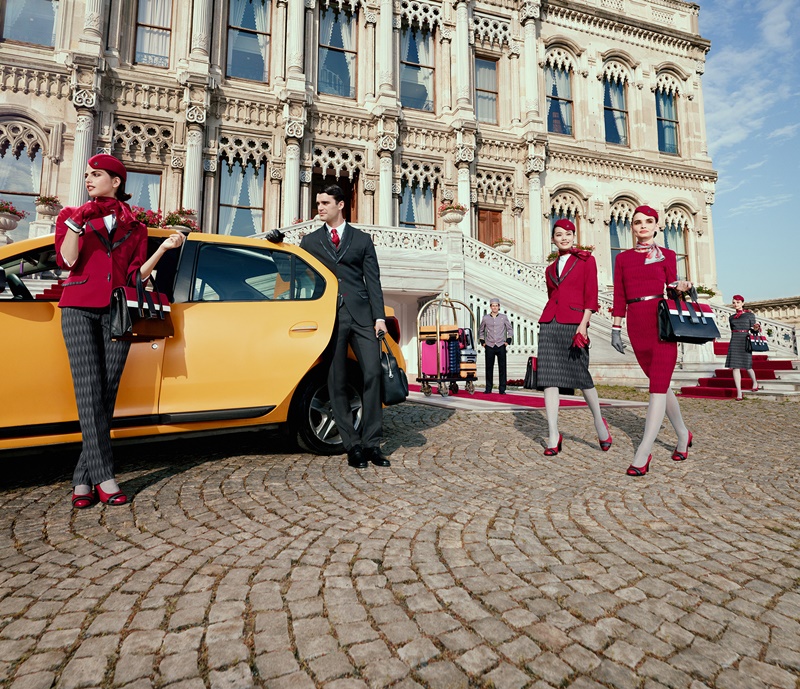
[656, 358]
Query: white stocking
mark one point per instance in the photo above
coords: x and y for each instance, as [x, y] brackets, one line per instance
[551, 401]
[590, 395]
[652, 425]
[737, 379]
[753, 377]
[676, 419]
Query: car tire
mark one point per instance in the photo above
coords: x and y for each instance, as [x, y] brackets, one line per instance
[313, 423]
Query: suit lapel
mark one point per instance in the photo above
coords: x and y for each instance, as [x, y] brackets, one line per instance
[326, 244]
[568, 267]
[100, 230]
[349, 232]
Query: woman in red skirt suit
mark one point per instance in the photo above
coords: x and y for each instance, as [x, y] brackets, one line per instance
[640, 276]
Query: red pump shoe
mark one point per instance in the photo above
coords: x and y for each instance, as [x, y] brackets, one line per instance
[113, 499]
[553, 451]
[682, 456]
[639, 471]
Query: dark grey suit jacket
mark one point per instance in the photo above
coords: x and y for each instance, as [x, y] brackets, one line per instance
[355, 265]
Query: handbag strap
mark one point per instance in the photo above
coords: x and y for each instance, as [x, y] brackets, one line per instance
[142, 296]
[389, 356]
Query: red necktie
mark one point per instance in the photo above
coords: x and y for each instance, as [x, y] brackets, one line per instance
[335, 237]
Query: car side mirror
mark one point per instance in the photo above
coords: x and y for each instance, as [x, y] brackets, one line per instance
[3, 282]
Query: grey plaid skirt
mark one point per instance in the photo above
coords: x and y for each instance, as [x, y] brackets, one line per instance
[559, 365]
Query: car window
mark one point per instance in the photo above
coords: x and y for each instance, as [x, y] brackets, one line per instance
[37, 269]
[238, 273]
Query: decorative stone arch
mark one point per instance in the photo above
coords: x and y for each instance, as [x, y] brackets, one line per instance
[420, 172]
[18, 134]
[679, 215]
[489, 30]
[566, 203]
[343, 5]
[244, 149]
[672, 68]
[425, 15]
[622, 209]
[617, 55]
[668, 83]
[565, 44]
[616, 72]
[340, 160]
[499, 186]
[558, 57]
[131, 136]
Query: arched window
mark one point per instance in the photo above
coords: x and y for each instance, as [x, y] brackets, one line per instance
[416, 205]
[337, 51]
[619, 229]
[615, 108]
[676, 232]
[558, 85]
[416, 66]
[30, 22]
[20, 171]
[667, 90]
[566, 205]
[249, 40]
[241, 198]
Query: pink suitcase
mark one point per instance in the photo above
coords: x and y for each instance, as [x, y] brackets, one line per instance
[429, 367]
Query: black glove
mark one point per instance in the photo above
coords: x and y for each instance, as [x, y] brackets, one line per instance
[482, 343]
[275, 236]
[508, 340]
[616, 341]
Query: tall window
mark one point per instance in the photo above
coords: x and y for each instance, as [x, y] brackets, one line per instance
[416, 206]
[416, 68]
[20, 182]
[241, 199]
[559, 100]
[337, 52]
[249, 39]
[615, 111]
[145, 190]
[621, 234]
[486, 90]
[667, 121]
[675, 231]
[153, 32]
[565, 206]
[30, 21]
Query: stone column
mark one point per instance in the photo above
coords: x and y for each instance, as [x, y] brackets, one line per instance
[461, 57]
[305, 195]
[81, 153]
[514, 70]
[385, 52]
[700, 68]
[201, 30]
[278, 57]
[274, 218]
[193, 170]
[465, 198]
[369, 82]
[447, 78]
[291, 183]
[93, 20]
[295, 36]
[535, 217]
[369, 201]
[530, 69]
[385, 200]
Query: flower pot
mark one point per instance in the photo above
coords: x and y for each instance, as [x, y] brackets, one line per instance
[8, 222]
[47, 210]
[453, 216]
[503, 247]
[179, 228]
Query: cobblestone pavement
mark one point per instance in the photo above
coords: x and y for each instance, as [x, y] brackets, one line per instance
[472, 561]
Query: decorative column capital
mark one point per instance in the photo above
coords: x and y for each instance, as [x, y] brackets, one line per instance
[531, 9]
[369, 186]
[305, 176]
[294, 120]
[387, 135]
[210, 165]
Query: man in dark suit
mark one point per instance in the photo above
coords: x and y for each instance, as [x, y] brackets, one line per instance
[350, 254]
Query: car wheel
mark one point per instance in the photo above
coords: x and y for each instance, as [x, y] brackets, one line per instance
[314, 423]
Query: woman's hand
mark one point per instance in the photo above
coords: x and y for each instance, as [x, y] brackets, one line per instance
[583, 329]
[682, 285]
[756, 327]
[174, 241]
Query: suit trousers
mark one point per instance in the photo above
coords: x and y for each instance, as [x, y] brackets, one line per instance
[367, 350]
[498, 352]
[96, 362]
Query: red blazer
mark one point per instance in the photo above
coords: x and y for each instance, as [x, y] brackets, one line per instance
[104, 262]
[571, 293]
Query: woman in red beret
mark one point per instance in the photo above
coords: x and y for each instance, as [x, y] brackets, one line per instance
[640, 276]
[563, 352]
[742, 322]
[103, 246]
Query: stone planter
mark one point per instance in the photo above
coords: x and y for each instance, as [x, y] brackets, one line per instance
[8, 222]
[453, 216]
[178, 228]
[47, 210]
[503, 247]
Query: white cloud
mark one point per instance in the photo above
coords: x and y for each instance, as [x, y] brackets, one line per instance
[760, 203]
[754, 166]
[787, 132]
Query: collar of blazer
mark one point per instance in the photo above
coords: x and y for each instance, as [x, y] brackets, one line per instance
[330, 249]
[108, 239]
[552, 270]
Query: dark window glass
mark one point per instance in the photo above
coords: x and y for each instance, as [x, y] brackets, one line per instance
[241, 199]
[337, 52]
[621, 237]
[559, 100]
[31, 21]
[416, 69]
[145, 190]
[249, 39]
[20, 183]
[486, 90]
[667, 121]
[675, 239]
[615, 112]
[416, 206]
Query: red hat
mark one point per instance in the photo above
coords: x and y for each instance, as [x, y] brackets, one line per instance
[103, 161]
[738, 297]
[564, 224]
[652, 212]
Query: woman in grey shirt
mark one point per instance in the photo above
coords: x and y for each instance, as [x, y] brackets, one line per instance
[742, 322]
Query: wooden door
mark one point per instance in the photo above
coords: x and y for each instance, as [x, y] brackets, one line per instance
[490, 226]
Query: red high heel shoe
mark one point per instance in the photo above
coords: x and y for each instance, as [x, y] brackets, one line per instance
[553, 451]
[82, 501]
[605, 445]
[639, 471]
[681, 456]
[118, 498]
[755, 389]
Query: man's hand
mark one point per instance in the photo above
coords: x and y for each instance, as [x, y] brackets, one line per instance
[508, 340]
[275, 236]
[616, 341]
[380, 327]
[482, 343]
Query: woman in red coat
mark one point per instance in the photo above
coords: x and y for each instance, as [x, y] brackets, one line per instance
[103, 246]
[640, 276]
[572, 299]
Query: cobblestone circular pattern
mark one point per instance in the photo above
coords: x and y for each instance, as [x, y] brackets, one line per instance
[472, 561]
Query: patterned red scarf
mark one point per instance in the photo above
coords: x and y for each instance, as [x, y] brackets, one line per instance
[575, 251]
[100, 208]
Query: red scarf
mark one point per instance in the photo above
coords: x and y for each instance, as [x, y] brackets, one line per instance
[575, 251]
[654, 254]
[100, 208]
[738, 313]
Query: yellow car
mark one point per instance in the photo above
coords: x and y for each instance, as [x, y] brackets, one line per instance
[252, 320]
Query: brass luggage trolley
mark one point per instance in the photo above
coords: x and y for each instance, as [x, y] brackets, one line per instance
[446, 353]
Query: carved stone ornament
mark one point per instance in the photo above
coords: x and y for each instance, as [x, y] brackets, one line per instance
[340, 160]
[465, 153]
[305, 176]
[177, 163]
[370, 186]
[370, 17]
[516, 49]
[445, 35]
[448, 195]
[84, 98]
[700, 68]
[519, 203]
[489, 29]
[534, 164]
[196, 113]
[19, 137]
[142, 136]
[310, 4]
[473, 197]
[294, 129]
[194, 137]
[292, 152]
[387, 143]
[530, 10]
[200, 41]
[710, 198]
[102, 150]
[92, 22]
[84, 123]
[277, 173]
[396, 188]
[210, 165]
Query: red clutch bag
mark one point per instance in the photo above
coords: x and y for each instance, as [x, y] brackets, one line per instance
[580, 341]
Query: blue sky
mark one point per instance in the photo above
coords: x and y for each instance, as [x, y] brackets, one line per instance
[751, 89]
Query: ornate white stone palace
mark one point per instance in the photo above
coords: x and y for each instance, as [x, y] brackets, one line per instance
[523, 111]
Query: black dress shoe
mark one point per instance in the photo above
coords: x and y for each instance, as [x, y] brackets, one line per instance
[487, 391]
[355, 458]
[374, 455]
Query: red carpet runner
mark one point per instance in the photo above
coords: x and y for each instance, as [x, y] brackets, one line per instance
[508, 398]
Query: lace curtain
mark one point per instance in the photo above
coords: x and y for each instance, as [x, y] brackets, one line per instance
[667, 117]
[241, 199]
[486, 87]
[675, 239]
[615, 113]
[31, 21]
[144, 189]
[337, 67]
[416, 78]
[152, 44]
[559, 101]
[416, 205]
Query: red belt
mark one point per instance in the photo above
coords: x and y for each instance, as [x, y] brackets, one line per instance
[740, 331]
[652, 296]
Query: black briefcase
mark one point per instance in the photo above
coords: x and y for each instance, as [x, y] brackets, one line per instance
[681, 320]
[530, 374]
[394, 383]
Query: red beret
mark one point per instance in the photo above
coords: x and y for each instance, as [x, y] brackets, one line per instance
[652, 212]
[564, 224]
[103, 161]
[738, 297]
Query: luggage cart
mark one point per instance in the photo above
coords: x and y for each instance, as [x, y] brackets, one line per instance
[446, 353]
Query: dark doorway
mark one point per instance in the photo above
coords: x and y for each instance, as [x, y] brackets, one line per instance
[348, 186]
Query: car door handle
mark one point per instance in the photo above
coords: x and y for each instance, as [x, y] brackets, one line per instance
[305, 327]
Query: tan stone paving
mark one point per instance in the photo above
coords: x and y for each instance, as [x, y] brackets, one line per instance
[472, 561]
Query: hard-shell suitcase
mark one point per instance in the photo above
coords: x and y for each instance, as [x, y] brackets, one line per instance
[429, 367]
[447, 331]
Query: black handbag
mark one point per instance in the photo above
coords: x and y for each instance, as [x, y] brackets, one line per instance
[756, 342]
[139, 315]
[680, 320]
[394, 383]
[530, 374]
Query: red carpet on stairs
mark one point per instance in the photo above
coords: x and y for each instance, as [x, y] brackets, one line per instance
[508, 398]
[721, 386]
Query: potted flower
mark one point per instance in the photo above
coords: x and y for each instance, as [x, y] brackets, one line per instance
[503, 244]
[47, 205]
[182, 219]
[9, 219]
[148, 217]
[452, 211]
[704, 293]
[553, 255]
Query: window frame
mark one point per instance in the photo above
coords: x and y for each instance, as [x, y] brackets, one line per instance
[676, 122]
[496, 63]
[559, 99]
[325, 46]
[430, 32]
[421, 186]
[684, 227]
[230, 27]
[14, 41]
[612, 110]
[261, 170]
[135, 32]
